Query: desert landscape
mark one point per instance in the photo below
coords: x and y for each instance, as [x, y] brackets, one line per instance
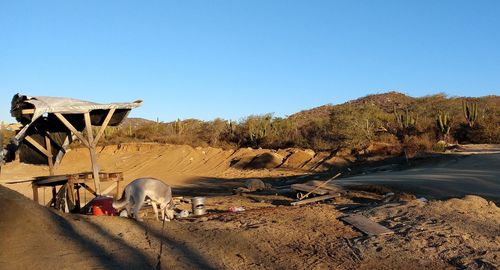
[447, 230]
[255, 134]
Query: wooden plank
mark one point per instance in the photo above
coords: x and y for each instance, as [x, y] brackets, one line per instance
[28, 111]
[307, 188]
[72, 128]
[331, 187]
[318, 187]
[366, 225]
[103, 126]
[316, 199]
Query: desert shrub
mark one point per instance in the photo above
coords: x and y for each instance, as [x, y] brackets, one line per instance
[415, 145]
[356, 126]
[439, 147]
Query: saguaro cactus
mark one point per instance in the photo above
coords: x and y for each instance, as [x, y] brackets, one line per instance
[444, 124]
[178, 126]
[470, 112]
[405, 120]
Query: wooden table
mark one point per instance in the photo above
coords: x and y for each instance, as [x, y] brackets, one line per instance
[67, 198]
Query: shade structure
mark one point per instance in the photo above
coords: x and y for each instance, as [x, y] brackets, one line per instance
[50, 124]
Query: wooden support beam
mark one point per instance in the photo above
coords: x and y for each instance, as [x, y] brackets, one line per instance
[103, 126]
[63, 150]
[93, 155]
[28, 111]
[71, 191]
[72, 129]
[49, 156]
[37, 145]
[47, 152]
[89, 189]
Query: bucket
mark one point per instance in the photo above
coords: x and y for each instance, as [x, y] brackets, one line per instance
[105, 206]
[97, 211]
[198, 204]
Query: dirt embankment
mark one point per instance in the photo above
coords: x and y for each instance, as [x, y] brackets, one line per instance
[175, 163]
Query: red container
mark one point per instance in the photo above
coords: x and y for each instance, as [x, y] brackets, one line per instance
[103, 206]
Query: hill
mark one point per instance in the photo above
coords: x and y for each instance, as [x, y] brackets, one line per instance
[393, 117]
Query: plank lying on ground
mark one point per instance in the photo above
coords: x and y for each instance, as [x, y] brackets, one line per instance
[366, 225]
[307, 188]
[316, 199]
[331, 187]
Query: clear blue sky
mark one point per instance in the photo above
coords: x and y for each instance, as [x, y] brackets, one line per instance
[207, 59]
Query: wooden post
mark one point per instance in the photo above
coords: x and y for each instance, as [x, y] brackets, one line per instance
[117, 189]
[93, 156]
[35, 192]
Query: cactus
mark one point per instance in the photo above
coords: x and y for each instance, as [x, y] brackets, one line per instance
[259, 128]
[231, 126]
[470, 112]
[178, 127]
[444, 124]
[405, 120]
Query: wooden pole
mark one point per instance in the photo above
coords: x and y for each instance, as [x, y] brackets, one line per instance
[93, 156]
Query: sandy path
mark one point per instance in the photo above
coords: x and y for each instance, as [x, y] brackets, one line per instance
[460, 175]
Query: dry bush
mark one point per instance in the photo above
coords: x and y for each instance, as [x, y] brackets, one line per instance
[416, 145]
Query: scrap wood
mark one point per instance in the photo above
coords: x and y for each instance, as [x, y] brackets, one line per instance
[320, 186]
[331, 187]
[366, 225]
[316, 199]
[307, 188]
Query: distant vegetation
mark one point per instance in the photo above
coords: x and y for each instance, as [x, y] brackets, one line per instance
[414, 124]
[405, 123]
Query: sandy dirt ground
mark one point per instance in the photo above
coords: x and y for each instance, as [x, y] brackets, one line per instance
[458, 233]
[455, 175]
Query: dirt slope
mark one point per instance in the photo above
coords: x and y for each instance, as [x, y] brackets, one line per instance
[178, 165]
